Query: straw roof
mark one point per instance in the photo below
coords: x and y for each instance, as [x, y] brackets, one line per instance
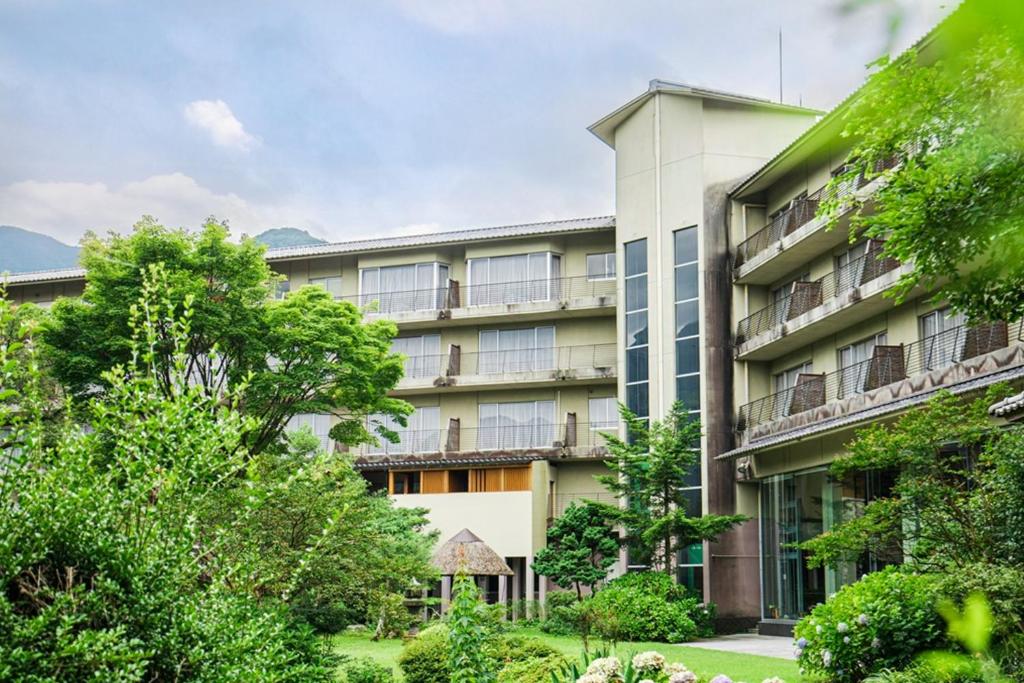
[466, 552]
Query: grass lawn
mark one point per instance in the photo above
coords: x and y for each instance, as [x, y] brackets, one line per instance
[706, 663]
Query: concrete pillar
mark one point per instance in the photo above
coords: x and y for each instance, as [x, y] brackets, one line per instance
[446, 593]
[517, 589]
[530, 597]
[543, 597]
[503, 592]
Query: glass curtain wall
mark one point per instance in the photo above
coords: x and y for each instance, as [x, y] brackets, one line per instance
[637, 378]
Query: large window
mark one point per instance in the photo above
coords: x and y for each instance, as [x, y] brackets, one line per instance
[853, 362]
[422, 354]
[526, 424]
[601, 266]
[637, 379]
[514, 279]
[523, 350]
[850, 267]
[421, 434]
[414, 287]
[782, 387]
[604, 413]
[942, 338]
[332, 284]
[319, 424]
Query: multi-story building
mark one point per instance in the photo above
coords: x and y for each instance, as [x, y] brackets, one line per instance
[715, 284]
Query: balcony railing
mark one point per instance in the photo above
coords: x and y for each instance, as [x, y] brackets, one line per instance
[452, 295]
[800, 212]
[887, 365]
[804, 296]
[457, 439]
[597, 357]
[558, 503]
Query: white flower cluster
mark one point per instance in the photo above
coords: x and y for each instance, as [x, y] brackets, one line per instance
[684, 676]
[773, 679]
[602, 670]
[721, 678]
[592, 678]
[648, 662]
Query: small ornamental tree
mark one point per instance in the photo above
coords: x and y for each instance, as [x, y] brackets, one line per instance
[581, 546]
[468, 661]
[650, 471]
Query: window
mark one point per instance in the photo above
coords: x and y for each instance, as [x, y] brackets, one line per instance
[854, 364]
[637, 387]
[782, 387]
[781, 296]
[415, 287]
[422, 354]
[527, 424]
[523, 350]
[942, 338]
[514, 279]
[601, 266]
[687, 306]
[420, 435]
[476, 480]
[405, 482]
[604, 413]
[332, 284]
[850, 267]
[282, 289]
[320, 425]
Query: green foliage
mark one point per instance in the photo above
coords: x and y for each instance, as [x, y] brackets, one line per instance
[424, 659]
[537, 670]
[953, 208]
[367, 670]
[305, 354]
[880, 622]
[563, 614]
[582, 545]
[106, 572]
[1001, 587]
[467, 659]
[650, 471]
[629, 610]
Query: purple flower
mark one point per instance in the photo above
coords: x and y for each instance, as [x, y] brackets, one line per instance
[802, 643]
[863, 620]
[721, 678]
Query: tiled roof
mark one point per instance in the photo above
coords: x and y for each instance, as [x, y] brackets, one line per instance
[439, 460]
[449, 237]
[878, 411]
[1007, 406]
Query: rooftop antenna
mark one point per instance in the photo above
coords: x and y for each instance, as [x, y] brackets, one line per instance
[780, 65]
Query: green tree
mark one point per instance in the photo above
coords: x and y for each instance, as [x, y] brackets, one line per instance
[305, 354]
[953, 209]
[467, 633]
[106, 573]
[650, 471]
[582, 545]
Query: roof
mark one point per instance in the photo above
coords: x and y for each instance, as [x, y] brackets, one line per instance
[605, 127]
[1007, 406]
[571, 225]
[465, 553]
[876, 412]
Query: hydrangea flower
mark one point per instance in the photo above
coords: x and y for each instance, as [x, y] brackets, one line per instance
[846, 639]
[817, 628]
[826, 658]
[863, 619]
[649, 661]
[675, 668]
[842, 627]
[609, 667]
[773, 679]
[684, 676]
[592, 678]
[802, 643]
[721, 678]
[875, 643]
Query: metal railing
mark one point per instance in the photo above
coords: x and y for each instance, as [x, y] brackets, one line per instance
[599, 357]
[804, 296]
[887, 365]
[456, 439]
[561, 501]
[453, 295]
[800, 212]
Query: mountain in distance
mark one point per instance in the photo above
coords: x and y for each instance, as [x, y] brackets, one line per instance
[23, 251]
[276, 238]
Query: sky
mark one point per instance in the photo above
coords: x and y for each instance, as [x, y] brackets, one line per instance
[359, 118]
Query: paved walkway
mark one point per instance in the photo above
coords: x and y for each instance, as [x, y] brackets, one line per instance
[749, 644]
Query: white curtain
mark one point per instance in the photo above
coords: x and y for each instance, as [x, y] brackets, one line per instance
[513, 279]
[421, 435]
[942, 338]
[523, 350]
[528, 424]
[423, 354]
[415, 287]
[853, 360]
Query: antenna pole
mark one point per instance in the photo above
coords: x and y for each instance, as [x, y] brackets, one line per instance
[780, 65]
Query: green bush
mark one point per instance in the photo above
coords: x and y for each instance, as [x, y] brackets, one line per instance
[536, 670]
[879, 622]
[1001, 586]
[562, 610]
[515, 649]
[424, 659]
[367, 670]
[646, 606]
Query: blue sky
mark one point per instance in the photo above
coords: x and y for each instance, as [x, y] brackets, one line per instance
[375, 117]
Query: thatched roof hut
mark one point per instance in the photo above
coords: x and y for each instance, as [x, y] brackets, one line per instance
[465, 552]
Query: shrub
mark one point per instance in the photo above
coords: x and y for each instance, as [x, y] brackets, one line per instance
[367, 670]
[562, 609]
[516, 649]
[536, 670]
[879, 622]
[1001, 586]
[645, 606]
[424, 659]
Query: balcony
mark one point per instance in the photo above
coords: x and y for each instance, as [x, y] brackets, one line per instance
[794, 236]
[812, 310]
[527, 300]
[560, 502]
[457, 371]
[472, 445]
[892, 373]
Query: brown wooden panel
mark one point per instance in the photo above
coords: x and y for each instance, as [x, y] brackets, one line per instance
[492, 480]
[517, 478]
[873, 265]
[886, 366]
[985, 338]
[434, 481]
[804, 297]
[808, 392]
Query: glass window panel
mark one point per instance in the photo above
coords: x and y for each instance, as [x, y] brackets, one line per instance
[687, 356]
[604, 413]
[687, 319]
[693, 477]
[636, 399]
[601, 266]
[636, 364]
[636, 293]
[636, 257]
[688, 391]
[693, 503]
[686, 245]
[686, 282]
[636, 328]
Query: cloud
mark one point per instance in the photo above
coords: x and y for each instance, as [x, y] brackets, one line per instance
[65, 210]
[217, 119]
